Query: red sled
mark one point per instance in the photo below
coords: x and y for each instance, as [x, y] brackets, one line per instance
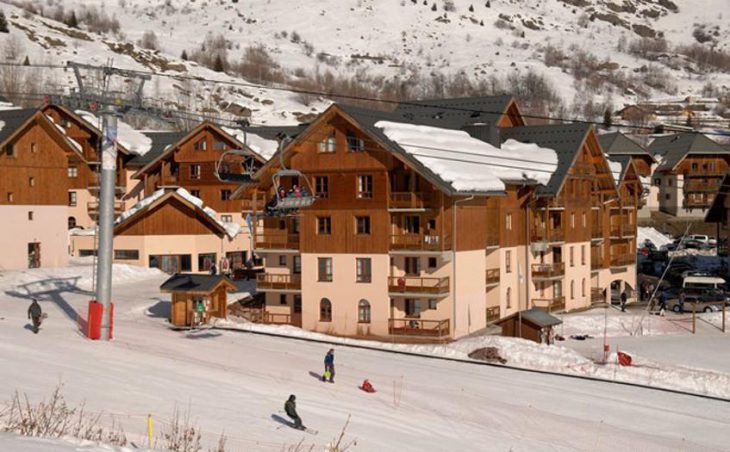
[624, 359]
[367, 387]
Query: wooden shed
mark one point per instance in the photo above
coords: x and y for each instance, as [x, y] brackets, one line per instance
[537, 325]
[197, 298]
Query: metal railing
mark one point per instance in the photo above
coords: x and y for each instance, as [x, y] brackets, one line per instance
[418, 285]
[550, 304]
[548, 270]
[419, 327]
[493, 314]
[492, 276]
[278, 282]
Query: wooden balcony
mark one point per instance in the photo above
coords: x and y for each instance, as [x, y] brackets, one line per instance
[690, 203]
[701, 185]
[623, 260]
[419, 327]
[548, 271]
[493, 314]
[597, 295]
[547, 235]
[92, 208]
[282, 242]
[550, 304]
[419, 242]
[409, 200]
[414, 286]
[597, 261]
[248, 205]
[492, 277]
[260, 315]
[271, 282]
[597, 231]
[623, 231]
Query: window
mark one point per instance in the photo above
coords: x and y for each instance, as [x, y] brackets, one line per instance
[33, 148]
[413, 307]
[324, 225]
[508, 298]
[297, 265]
[432, 303]
[11, 198]
[321, 187]
[364, 187]
[571, 256]
[354, 144]
[362, 225]
[225, 195]
[695, 167]
[508, 221]
[325, 310]
[282, 261]
[282, 299]
[432, 262]
[669, 182]
[329, 144]
[582, 255]
[572, 290]
[126, 255]
[657, 181]
[364, 269]
[413, 266]
[227, 218]
[363, 311]
[282, 225]
[72, 198]
[295, 225]
[508, 261]
[205, 261]
[572, 220]
[324, 265]
[71, 222]
[194, 171]
[31, 181]
[584, 219]
[171, 263]
[10, 150]
[583, 287]
[73, 172]
[412, 224]
[236, 259]
[218, 145]
[201, 145]
[195, 193]
[87, 253]
[30, 215]
[667, 197]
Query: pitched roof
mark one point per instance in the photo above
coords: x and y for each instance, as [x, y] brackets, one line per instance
[565, 139]
[619, 144]
[454, 113]
[716, 212]
[264, 140]
[674, 148]
[188, 282]
[536, 316]
[12, 119]
[160, 142]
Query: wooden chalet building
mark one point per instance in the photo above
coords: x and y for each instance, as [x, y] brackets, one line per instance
[689, 173]
[34, 187]
[411, 206]
[618, 146]
[719, 214]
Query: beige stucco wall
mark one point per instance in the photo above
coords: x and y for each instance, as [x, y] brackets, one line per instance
[514, 280]
[48, 227]
[469, 292]
[579, 275]
[80, 211]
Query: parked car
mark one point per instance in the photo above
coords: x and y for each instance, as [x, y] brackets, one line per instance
[702, 303]
[698, 237]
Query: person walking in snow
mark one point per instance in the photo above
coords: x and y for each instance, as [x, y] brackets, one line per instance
[624, 298]
[35, 313]
[329, 366]
[291, 410]
[662, 304]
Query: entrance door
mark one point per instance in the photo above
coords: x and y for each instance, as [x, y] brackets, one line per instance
[296, 318]
[34, 255]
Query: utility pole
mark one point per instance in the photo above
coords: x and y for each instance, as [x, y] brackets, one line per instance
[106, 219]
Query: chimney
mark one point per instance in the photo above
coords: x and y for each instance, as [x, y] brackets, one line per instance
[486, 132]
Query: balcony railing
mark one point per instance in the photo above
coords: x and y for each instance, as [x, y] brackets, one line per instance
[696, 203]
[419, 327]
[550, 304]
[548, 235]
[272, 281]
[409, 200]
[259, 315]
[270, 241]
[597, 295]
[701, 185]
[92, 208]
[493, 314]
[414, 285]
[597, 261]
[248, 204]
[548, 270]
[597, 231]
[623, 230]
[623, 260]
[492, 276]
[419, 242]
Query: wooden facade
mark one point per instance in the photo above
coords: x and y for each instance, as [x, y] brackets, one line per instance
[199, 300]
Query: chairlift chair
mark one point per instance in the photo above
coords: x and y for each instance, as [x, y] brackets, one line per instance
[286, 202]
[223, 173]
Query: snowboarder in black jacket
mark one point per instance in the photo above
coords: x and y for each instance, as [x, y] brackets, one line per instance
[291, 410]
[35, 314]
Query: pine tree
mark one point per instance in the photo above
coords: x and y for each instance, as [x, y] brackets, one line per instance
[26, 61]
[608, 118]
[481, 22]
[184, 55]
[72, 21]
[3, 23]
[218, 64]
[522, 35]
[434, 7]
[489, 4]
[471, 8]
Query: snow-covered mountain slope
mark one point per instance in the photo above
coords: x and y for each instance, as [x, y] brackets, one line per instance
[414, 48]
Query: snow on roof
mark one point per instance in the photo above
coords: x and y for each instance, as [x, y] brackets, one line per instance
[134, 140]
[73, 142]
[616, 170]
[260, 145]
[652, 235]
[232, 229]
[8, 106]
[703, 280]
[469, 164]
[2, 125]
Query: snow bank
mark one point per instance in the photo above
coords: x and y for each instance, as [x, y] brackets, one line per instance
[654, 236]
[594, 322]
[531, 355]
[135, 141]
[262, 146]
[19, 443]
[469, 164]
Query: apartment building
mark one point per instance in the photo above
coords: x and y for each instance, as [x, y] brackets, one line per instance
[617, 145]
[34, 188]
[689, 173]
[719, 214]
[434, 221]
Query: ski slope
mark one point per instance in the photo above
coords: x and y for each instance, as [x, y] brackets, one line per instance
[233, 382]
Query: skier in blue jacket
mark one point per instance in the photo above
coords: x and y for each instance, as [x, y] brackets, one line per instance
[329, 366]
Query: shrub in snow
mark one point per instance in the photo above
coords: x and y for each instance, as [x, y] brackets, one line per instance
[149, 41]
[3, 23]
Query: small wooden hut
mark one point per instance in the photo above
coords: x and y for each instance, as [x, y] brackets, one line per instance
[197, 298]
[537, 325]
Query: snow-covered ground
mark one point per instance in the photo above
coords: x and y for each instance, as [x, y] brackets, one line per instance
[234, 382]
[652, 235]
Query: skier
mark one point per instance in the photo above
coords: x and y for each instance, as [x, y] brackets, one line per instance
[329, 366]
[624, 297]
[35, 314]
[291, 410]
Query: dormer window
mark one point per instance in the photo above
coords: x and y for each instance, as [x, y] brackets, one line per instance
[329, 144]
[201, 145]
[354, 144]
[10, 150]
